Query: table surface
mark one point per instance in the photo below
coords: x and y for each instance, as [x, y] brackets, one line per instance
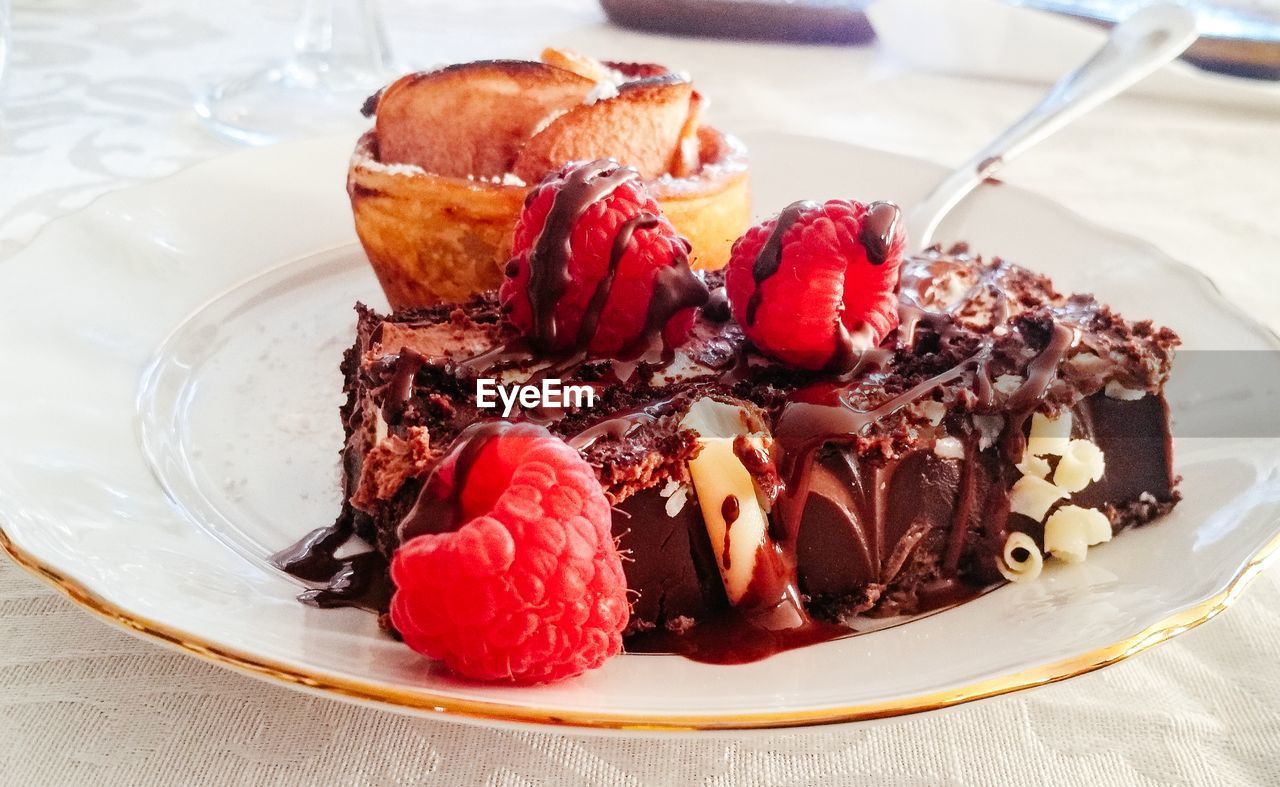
[98, 99]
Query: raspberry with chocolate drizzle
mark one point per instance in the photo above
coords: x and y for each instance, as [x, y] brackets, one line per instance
[814, 286]
[507, 569]
[597, 268]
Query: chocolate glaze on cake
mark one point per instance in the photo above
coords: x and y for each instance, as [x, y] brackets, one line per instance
[889, 482]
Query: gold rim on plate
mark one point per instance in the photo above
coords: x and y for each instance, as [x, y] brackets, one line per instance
[350, 689]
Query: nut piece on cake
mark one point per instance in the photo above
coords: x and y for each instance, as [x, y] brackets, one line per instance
[437, 184]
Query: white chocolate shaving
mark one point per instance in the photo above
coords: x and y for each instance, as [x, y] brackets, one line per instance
[949, 448]
[989, 429]
[1032, 497]
[1007, 383]
[1033, 465]
[711, 419]
[1049, 435]
[676, 494]
[1088, 363]
[1071, 530]
[934, 411]
[1081, 464]
[1115, 390]
[1021, 560]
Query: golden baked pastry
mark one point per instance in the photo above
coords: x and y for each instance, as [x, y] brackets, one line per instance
[436, 186]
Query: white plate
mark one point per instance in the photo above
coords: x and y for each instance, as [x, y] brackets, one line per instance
[155, 502]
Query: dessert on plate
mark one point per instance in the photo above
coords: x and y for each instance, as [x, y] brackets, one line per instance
[613, 450]
[437, 183]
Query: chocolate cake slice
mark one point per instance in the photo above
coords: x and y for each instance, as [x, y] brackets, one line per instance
[1002, 420]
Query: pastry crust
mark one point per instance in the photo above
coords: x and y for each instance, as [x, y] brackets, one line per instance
[432, 238]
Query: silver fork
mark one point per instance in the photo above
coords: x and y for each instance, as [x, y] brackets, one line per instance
[1136, 47]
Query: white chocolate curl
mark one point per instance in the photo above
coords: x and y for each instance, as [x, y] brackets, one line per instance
[1026, 568]
[1071, 530]
[1033, 465]
[1049, 435]
[1032, 497]
[1081, 464]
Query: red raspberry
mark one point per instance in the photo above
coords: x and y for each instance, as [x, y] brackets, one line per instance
[825, 277]
[623, 318]
[530, 588]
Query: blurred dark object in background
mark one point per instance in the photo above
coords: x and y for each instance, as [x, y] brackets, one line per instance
[806, 21]
[1239, 37]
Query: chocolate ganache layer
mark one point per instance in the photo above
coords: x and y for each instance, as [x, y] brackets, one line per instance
[892, 485]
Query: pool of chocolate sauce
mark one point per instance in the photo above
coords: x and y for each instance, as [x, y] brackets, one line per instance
[737, 638]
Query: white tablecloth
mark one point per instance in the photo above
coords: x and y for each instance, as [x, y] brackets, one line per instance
[98, 98]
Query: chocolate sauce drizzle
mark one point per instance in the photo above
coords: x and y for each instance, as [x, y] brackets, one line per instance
[360, 580]
[769, 260]
[675, 288]
[620, 425]
[549, 262]
[400, 386]
[595, 306]
[363, 580]
[437, 508]
[878, 229]
[729, 512]
[717, 309]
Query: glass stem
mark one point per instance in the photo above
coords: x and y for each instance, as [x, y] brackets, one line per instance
[343, 33]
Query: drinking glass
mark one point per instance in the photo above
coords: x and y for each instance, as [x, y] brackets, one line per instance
[340, 56]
